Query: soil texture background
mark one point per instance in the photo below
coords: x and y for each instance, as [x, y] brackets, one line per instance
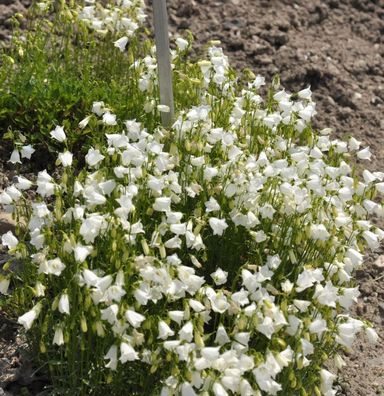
[336, 47]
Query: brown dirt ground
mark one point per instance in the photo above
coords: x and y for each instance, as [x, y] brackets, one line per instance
[337, 47]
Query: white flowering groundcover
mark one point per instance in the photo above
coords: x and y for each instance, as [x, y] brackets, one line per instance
[213, 258]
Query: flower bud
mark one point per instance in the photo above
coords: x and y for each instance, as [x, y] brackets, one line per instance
[43, 348]
[198, 340]
[83, 324]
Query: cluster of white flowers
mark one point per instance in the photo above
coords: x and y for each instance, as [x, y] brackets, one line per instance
[123, 17]
[220, 253]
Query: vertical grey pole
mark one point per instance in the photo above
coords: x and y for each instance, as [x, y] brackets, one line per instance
[163, 59]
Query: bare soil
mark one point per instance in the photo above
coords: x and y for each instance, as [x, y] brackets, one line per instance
[336, 47]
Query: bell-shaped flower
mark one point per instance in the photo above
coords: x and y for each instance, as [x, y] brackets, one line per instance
[23, 183]
[319, 232]
[162, 204]
[9, 240]
[84, 122]
[221, 336]
[127, 353]
[371, 239]
[371, 335]
[364, 154]
[305, 93]
[27, 151]
[109, 119]
[28, 318]
[219, 390]
[218, 225]
[5, 199]
[58, 134]
[110, 314]
[327, 379]
[121, 43]
[112, 357]
[186, 332]
[45, 186]
[326, 295]
[98, 108]
[65, 158]
[219, 276]
[210, 353]
[164, 330]
[212, 205]
[92, 226]
[135, 319]
[58, 338]
[219, 302]
[177, 316]
[82, 252]
[15, 157]
[93, 157]
[197, 306]
[4, 285]
[64, 304]
[53, 267]
[318, 326]
[181, 43]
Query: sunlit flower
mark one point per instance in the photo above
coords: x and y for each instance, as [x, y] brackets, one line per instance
[58, 338]
[93, 157]
[181, 43]
[64, 304]
[58, 134]
[15, 157]
[28, 318]
[121, 43]
[218, 225]
[27, 151]
[4, 285]
[9, 240]
[65, 158]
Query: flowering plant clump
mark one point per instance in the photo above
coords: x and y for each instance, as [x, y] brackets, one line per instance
[63, 61]
[122, 16]
[216, 257]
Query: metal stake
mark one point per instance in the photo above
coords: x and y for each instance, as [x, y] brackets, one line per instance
[163, 60]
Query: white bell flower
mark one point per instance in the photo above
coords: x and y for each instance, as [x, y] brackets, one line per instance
[109, 119]
[58, 338]
[27, 151]
[4, 285]
[218, 225]
[121, 43]
[186, 332]
[15, 157]
[364, 154]
[112, 357]
[52, 267]
[23, 183]
[181, 43]
[84, 122]
[319, 232]
[127, 353]
[164, 330]
[93, 157]
[66, 158]
[135, 319]
[177, 316]
[9, 240]
[219, 276]
[64, 304]
[58, 134]
[28, 318]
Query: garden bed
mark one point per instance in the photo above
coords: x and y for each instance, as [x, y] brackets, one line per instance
[337, 48]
